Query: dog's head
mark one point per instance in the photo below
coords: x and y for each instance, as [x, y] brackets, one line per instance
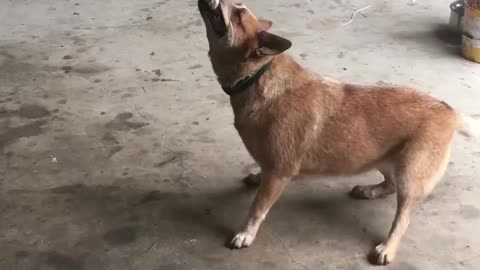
[233, 31]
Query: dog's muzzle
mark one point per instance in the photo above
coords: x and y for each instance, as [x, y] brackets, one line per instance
[213, 15]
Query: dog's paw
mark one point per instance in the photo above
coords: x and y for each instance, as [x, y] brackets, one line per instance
[252, 180]
[242, 240]
[363, 193]
[382, 255]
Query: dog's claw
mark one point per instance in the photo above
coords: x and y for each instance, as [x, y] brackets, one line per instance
[242, 240]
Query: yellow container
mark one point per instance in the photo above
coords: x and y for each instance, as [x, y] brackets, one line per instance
[471, 48]
[471, 36]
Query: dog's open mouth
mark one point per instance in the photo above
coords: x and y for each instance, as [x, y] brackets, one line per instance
[213, 17]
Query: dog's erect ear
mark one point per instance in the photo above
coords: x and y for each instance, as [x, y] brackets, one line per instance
[270, 44]
[265, 24]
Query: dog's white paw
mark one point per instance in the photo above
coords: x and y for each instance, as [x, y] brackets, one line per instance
[383, 255]
[242, 240]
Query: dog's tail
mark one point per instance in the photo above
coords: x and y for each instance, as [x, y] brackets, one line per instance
[468, 126]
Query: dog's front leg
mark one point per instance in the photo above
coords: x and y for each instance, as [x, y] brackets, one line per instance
[271, 187]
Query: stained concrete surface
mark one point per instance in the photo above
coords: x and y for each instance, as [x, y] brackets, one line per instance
[118, 150]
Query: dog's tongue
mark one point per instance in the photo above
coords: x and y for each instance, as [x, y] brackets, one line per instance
[213, 4]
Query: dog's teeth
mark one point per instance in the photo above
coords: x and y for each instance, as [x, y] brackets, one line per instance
[213, 4]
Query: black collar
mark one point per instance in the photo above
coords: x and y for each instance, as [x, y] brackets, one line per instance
[246, 82]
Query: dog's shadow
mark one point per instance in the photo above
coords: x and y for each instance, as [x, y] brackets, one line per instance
[332, 215]
[122, 218]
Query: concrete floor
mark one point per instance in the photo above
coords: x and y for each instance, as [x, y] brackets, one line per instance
[118, 150]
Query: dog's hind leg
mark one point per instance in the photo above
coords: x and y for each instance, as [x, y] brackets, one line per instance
[421, 164]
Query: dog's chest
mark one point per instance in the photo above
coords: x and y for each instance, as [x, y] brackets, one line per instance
[252, 134]
[253, 127]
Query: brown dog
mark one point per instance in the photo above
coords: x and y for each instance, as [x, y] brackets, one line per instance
[293, 122]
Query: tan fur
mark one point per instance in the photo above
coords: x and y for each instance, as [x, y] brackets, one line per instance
[294, 122]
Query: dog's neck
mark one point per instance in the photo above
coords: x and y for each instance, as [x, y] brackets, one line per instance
[281, 68]
[231, 68]
[246, 82]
